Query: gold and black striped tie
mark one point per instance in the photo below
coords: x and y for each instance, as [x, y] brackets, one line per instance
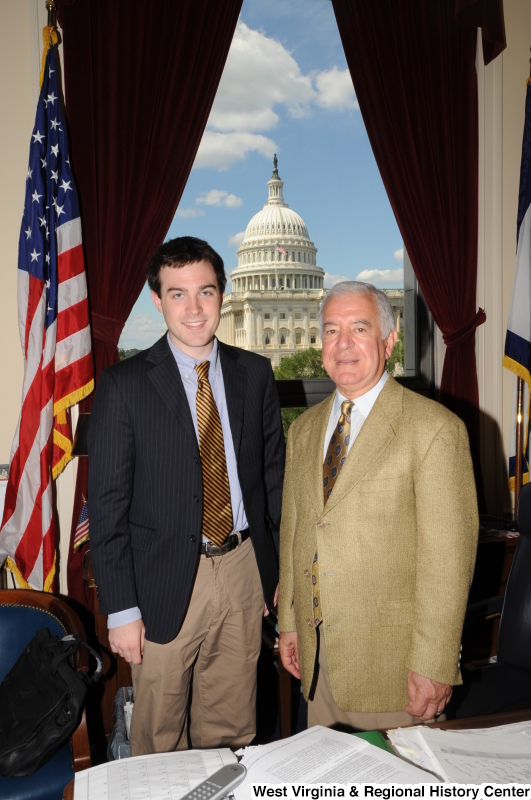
[217, 510]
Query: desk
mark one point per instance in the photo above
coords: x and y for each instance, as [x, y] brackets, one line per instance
[455, 724]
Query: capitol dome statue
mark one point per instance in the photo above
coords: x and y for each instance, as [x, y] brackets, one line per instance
[277, 287]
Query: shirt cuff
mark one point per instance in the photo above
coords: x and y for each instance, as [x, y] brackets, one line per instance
[124, 617]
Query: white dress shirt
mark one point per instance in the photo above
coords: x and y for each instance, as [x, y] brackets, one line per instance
[361, 410]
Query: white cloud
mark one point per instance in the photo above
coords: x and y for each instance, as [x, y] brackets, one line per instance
[222, 150]
[142, 330]
[188, 213]
[259, 78]
[259, 74]
[399, 254]
[219, 197]
[237, 239]
[335, 90]
[383, 277]
[331, 280]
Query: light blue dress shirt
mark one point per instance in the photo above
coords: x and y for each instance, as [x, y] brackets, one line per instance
[186, 365]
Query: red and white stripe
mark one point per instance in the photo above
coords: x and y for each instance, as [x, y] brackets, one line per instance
[58, 371]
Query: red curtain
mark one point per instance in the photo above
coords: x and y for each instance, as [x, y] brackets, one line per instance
[413, 69]
[140, 80]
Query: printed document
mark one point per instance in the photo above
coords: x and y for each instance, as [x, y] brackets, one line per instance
[321, 755]
[166, 776]
[484, 755]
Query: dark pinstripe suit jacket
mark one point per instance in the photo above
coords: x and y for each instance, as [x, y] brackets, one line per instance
[145, 489]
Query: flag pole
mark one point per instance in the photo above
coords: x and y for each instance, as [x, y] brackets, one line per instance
[519, 450]
[51, 8]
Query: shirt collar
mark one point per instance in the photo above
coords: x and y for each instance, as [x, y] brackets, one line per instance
[364, 403]
[186, 363]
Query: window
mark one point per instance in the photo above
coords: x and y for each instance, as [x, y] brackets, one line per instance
[267, 316]
[282, 339]
[267, 340]
[298, 315]
[282, 315]
[313, 315]
[313, 339]
[298, 337]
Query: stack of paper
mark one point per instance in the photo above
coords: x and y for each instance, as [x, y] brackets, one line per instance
[168, 776]
[484, 755]
[321, 755]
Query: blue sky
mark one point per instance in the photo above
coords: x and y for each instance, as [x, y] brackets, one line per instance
[286, 89]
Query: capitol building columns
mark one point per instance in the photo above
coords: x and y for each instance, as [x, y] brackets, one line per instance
[277, 287]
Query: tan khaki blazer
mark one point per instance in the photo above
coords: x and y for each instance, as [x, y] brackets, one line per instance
[396, 545]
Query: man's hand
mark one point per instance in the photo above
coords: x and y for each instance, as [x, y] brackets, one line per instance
[275, 601]
[426, 698]
[128, 641]
[289, 653]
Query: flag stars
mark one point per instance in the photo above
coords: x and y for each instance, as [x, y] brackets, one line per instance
[35, 197]
[30, 173]
[42, 220]
[65, 185]
[37, 137]
[47, 255]
[54, 124]
[48, 282]
[59, 210]
[28, 233]
[34, 255]
[51, 99]
[55, 149]
[55, 175]
[43, 162]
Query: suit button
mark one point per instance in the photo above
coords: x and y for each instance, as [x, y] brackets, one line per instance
[310, 623]
[196, 460]
[306, 573]
[193, 538]
[196, 499]
[321, 524]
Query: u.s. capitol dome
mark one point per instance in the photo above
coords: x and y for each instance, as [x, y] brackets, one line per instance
[277, 287]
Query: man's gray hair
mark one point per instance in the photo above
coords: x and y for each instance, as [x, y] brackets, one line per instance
[385, 309]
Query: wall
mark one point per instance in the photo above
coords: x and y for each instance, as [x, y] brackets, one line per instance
[502, 88]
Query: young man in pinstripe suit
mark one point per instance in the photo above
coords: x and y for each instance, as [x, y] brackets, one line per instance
[186, 468]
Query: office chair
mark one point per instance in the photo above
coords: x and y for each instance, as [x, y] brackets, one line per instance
[22, 613]
[506, 684]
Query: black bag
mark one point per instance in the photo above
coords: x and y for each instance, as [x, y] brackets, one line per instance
[41, 702]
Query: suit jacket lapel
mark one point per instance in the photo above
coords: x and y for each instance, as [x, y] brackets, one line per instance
[314, 455]
[164, 374]
[376, 434]
[235, 382]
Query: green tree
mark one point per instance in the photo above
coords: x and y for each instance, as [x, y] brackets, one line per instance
[127, 353]
[306, 364]
[395, 363]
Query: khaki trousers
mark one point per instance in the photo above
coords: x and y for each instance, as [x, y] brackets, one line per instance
[200, 689]
[322, 710]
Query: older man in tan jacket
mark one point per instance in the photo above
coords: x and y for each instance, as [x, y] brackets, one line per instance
[378, 534]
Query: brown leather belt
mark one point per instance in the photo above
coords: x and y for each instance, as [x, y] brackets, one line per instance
[231, 542]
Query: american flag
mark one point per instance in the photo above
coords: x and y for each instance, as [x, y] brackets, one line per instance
[282, 250]
[55, 338]
[82, 531]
